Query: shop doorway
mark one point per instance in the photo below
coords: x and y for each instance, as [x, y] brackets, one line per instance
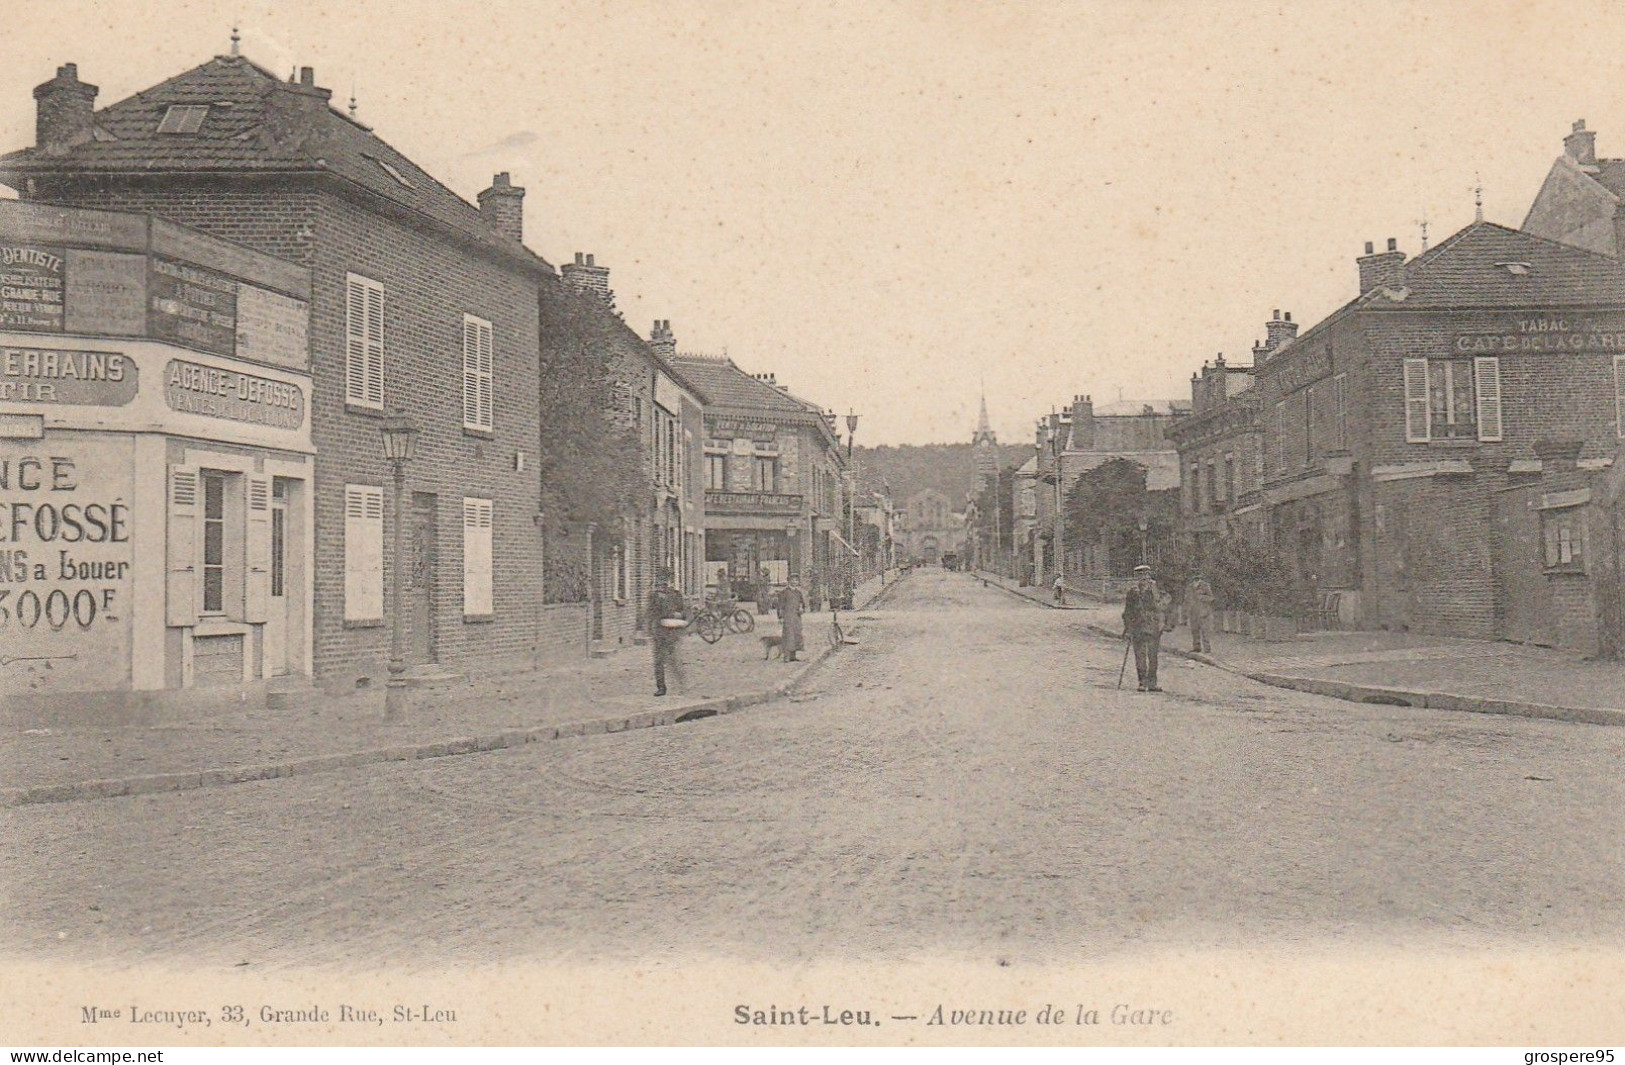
[284, 646]
[424, 574]
[1526, 611]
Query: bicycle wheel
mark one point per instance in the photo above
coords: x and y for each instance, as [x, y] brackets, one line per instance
[710, 627]
[741, 620]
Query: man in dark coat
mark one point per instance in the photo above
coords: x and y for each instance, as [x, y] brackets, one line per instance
[666, 605]
[1143, 613]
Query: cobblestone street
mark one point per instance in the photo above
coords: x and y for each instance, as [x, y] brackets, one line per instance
[966, 782]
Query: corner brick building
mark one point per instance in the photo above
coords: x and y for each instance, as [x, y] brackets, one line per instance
[418, 301]
[1403, 435]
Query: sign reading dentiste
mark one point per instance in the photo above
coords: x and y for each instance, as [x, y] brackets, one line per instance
[32, 280]
[192, 388]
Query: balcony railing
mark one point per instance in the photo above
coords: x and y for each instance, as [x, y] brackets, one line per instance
[753, 502]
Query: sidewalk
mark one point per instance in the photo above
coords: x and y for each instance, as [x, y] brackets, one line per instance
[1405, 669]
[323, 732]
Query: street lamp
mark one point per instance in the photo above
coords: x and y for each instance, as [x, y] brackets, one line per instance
[400, 435]
[851, 481]
[1056, 446]
[1143, 526]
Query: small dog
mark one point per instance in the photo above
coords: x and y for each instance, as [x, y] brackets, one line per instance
[771, 645]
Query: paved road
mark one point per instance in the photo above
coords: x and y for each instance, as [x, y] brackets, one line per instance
[966, 782]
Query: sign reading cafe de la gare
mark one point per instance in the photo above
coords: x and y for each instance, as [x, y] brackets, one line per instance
[155, 459]
[1557, 333]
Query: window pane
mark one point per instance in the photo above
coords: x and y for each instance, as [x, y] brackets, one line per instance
[213, 584]
[214, 496]
[214, 543]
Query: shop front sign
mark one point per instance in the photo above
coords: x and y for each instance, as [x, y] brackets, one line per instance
[192, 388]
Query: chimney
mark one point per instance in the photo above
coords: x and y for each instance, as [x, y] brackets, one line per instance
[588, 278]
[1083, 422]
[661, 339]
[1581, 145]
[65, 108]
[1381, 269]
[503, 205]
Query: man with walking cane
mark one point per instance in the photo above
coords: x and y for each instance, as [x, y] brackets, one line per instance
[1143, 612]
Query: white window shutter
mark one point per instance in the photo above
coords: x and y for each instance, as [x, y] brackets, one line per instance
[257, 551]
[1418, 427]
[1487, 386]
[487, 377]
[185, 509]
[477, 514]
[363, 552]
[355, 341]
[375, 345]
[471, 372]
[1619, 394]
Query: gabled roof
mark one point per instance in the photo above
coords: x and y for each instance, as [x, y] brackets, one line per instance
[256, 123]
[727, 386]
[1489, 265]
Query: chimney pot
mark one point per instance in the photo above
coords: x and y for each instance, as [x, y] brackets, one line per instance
[1289, 316]
[1393, 245]
[1370, 248]
[65, 111]
[589, 260]
[503, 206]
[1581, 145]
[307, 76]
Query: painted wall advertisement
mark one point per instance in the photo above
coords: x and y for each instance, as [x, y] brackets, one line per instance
[192, 306]
[192, 388]
[32, 282]
[65, 560]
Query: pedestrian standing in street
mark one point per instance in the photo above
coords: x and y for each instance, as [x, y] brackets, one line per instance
[667, 619]
[1143, 611]
[1199, 604]
[764, 592]
[1060, 590]
[792, 602]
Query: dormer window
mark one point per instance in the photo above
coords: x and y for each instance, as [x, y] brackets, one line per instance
[183, 118]
[390, 170]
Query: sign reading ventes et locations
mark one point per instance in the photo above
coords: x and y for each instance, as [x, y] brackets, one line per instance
[192, 388]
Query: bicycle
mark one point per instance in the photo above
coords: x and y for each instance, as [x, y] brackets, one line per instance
[715, 620]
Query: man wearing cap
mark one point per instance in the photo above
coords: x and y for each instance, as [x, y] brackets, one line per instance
[666, 605]
[1199, 605]
[1143, 610]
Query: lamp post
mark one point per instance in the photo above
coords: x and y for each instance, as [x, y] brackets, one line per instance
[400, 434]
[851, 481]
[1143, 526]
[1056, 446]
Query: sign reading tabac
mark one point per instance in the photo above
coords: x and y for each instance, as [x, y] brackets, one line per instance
[75, 378]
[31, 286]
[191, 388]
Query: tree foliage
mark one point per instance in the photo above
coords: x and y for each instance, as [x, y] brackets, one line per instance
[590, 461]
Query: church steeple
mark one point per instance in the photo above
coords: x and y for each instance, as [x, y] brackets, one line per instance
[985, 445]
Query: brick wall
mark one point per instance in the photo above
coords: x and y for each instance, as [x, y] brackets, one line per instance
[561, 633]
[429, 283]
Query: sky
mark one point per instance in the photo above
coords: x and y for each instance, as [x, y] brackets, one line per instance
[894, 205]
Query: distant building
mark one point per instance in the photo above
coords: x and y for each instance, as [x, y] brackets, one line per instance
[931, 528]
[1580, 202]
[774, 477]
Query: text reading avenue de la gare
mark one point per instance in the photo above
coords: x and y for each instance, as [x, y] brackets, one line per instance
[1047, 1015]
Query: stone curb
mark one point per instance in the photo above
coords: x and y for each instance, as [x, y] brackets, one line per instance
[1382, 695]
[991, 583]
[504, 739]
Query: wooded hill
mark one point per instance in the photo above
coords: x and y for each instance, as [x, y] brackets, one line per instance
[948, 468]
